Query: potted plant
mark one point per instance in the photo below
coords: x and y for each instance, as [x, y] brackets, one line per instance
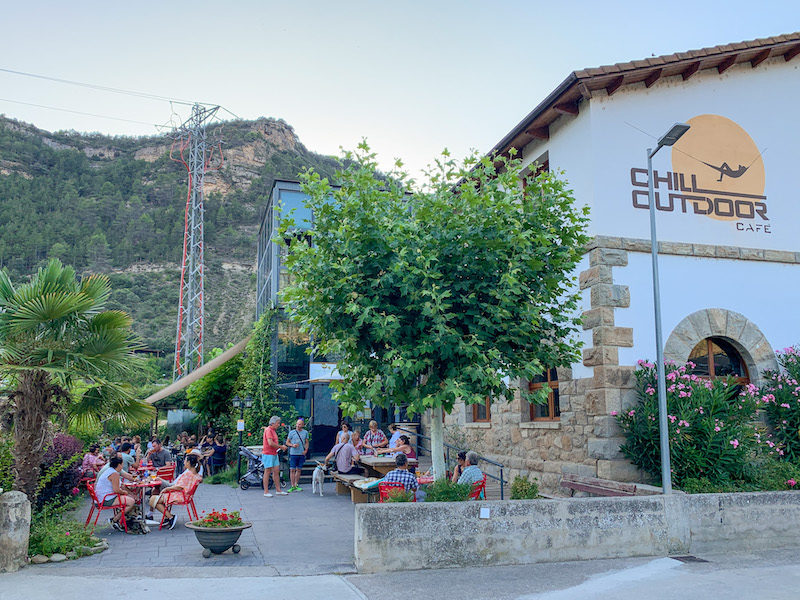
[219, 530]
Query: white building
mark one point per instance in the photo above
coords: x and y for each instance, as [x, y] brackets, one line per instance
[728, 214]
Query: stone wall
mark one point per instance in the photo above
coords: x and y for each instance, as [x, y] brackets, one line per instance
[586, 438]
[399, 537]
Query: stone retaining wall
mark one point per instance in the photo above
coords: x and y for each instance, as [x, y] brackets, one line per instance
[396, 537]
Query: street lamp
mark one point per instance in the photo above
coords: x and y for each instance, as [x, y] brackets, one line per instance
[668, 139]
[241, 404]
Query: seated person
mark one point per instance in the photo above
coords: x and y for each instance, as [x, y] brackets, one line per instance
[358, 443]
[401, 474]
[395, 435]
[472, 473]
[158, 455]
[403, 445]
[108, 482]
[128, 456]
[93, 461]
[216, 461]
[344, 433]
[374, 438]
[345, 455]
[169, 492]
[461, 459]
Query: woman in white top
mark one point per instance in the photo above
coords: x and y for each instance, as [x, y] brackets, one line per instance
[108, 483]
[345, 435]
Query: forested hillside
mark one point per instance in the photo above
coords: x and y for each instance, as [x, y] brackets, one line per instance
[116, 205]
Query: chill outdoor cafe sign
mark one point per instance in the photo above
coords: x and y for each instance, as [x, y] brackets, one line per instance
[717, 172]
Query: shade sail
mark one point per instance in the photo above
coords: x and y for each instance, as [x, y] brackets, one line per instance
[189, 379]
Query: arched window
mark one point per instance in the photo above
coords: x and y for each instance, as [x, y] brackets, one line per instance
[715, 357]
[550, 411]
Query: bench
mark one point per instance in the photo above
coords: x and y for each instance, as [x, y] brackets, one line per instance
[593, 485]
[344, 485]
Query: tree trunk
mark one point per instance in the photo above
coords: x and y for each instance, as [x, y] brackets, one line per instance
[33, 409]
[437, 444]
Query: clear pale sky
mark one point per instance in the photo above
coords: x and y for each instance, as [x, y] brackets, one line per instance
[412, 77]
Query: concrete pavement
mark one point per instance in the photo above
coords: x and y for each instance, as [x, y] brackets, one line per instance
[773, 575]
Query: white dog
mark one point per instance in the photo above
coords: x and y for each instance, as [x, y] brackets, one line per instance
[318, 478]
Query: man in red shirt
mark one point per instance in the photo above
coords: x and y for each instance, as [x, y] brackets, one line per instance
[269, 457]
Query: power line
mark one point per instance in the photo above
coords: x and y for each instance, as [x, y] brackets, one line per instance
[77, 112]
[103, 88]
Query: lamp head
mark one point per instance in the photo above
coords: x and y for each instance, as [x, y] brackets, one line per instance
[674, 134]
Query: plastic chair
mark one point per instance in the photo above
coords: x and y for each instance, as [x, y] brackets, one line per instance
[385, 488]
[167, 472]
[478, 490]
[98, 505]
[186, 499]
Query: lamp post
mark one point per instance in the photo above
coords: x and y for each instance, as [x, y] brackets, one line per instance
[241, 404]
[668, 139]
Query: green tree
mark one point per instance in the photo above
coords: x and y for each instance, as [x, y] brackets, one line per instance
[255, 376]
[438, 295]
[54, 333]
[210, 396]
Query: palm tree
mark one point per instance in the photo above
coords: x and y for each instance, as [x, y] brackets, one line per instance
[54, 334]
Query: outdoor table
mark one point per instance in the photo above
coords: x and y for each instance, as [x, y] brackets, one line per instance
[140, 487]
[379, 466]
[425, 480]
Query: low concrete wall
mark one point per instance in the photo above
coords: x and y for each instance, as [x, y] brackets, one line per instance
[15, 526]
[397, 537]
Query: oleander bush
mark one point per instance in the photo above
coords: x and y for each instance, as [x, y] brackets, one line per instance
[711, 434]
[524, 489]
[60, 471]
[780, 400]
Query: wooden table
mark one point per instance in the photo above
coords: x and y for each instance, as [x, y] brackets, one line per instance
[379, 466]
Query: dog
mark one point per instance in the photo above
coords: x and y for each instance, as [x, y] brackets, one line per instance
[135, 522]
[318, 478]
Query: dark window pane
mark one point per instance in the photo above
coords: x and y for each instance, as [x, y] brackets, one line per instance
[699, 356]
[541, 411]
[480, 412]
[540, 378]
[556, 407]
[726, 359]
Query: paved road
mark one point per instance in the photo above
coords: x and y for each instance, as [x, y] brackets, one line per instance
[773, 575]
[310, 540]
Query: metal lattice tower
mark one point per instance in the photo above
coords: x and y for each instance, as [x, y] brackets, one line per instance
[191, 148]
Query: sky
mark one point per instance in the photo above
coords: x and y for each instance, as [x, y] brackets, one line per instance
[411, 77]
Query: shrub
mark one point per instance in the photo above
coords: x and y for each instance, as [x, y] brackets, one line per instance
[709, 421]
[524, 489]
[400, 496]
[780, 399]
[772, 475]
[444, 490]
[60, 470]
[228, 476]
[49, 534]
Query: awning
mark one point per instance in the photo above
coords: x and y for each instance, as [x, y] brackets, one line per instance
[189, 379]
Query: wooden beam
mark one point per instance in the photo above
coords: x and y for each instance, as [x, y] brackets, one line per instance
[653, 77]
[690, 70]
[792, 53]
[760, 57]
[540, 133]
[615, 84]
[585, 91]
[727, 63]
[567, 108]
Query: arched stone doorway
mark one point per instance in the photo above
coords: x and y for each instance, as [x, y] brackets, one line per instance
[737, 329]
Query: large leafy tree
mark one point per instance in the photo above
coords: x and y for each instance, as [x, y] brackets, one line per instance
[448, 293]
[56, 339]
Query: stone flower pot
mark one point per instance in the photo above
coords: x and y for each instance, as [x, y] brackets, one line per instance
[216, 540]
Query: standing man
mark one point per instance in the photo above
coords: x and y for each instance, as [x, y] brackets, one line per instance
[297, 441]
[269, 457]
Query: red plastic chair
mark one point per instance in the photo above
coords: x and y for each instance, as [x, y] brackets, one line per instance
[385, 489]
[98, 505]
[478, 490]
[167, 473]
[186, 498]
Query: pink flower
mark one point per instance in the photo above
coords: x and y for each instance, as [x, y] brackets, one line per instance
[672, 418]
[67, 533]
[717, 428]
[735, 443]
[613, 413]
[791, 483]
[633, 412]
[75, 491]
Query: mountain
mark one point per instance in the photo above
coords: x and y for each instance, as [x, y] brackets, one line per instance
[116, 205]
